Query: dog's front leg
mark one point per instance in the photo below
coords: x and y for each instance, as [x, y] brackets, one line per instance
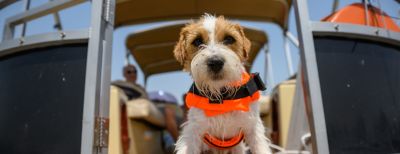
[256, 140]
[189, 141]
[239, 149]
[255, 133]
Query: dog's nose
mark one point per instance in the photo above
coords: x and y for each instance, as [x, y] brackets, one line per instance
[215, 64]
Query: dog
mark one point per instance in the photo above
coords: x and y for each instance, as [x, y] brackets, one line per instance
[214, 50]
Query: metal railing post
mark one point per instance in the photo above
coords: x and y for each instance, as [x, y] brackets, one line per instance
[26, 8]
[310, 79]
[98, 78]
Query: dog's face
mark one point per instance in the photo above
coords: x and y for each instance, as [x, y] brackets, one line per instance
[213, 50]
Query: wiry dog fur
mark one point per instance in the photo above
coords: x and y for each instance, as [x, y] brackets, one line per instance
[224, 40]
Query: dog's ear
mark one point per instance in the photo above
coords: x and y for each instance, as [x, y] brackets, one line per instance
[245, 42]
[180, 51]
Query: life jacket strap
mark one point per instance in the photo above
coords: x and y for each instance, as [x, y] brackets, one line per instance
[252, 86]
[214, 142]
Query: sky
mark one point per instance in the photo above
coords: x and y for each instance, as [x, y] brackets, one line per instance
[177, 83]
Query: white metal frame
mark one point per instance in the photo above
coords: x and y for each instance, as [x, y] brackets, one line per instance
[312, 90]
[48, 39]
[307, 29]
[98, 64]
[98, 77]
[45, 9]
[355, 31]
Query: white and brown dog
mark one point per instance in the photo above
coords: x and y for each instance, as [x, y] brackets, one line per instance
[214, 51]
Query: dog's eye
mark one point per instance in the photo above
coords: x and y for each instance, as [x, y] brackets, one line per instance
[197, 42]
[229, 40]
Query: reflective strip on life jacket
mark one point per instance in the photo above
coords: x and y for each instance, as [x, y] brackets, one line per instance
[223, 144]
[242, 104]
[213, 109]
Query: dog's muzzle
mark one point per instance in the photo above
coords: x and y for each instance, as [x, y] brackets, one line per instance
[215, 64]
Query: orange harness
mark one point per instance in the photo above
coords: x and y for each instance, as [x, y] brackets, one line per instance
[223, 144]
[248, 93]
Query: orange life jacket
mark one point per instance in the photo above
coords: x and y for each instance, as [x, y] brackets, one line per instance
[248, 93]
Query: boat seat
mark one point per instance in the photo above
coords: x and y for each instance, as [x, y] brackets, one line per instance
[144, 123]
[132, 91]
[142, 109]
[265, 113]
[281, 105]
[117, 97]
[264, 105]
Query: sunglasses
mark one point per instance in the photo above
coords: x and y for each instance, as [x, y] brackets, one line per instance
[131, 71]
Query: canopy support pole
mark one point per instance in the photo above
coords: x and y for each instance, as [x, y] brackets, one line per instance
[127, 57]
[288, 54]
[268, 76]
[292, 38]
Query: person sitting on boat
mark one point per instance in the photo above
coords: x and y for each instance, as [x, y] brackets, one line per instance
[129, 86]
[168, 104]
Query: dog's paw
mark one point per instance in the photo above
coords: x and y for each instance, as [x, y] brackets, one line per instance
[181, 150]
[262, 150]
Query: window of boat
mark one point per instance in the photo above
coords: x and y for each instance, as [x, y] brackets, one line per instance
[360, 85]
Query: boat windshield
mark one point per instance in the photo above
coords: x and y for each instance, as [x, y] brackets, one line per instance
[360, 90]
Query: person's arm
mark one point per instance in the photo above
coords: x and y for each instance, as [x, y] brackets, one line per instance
[170, 122]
